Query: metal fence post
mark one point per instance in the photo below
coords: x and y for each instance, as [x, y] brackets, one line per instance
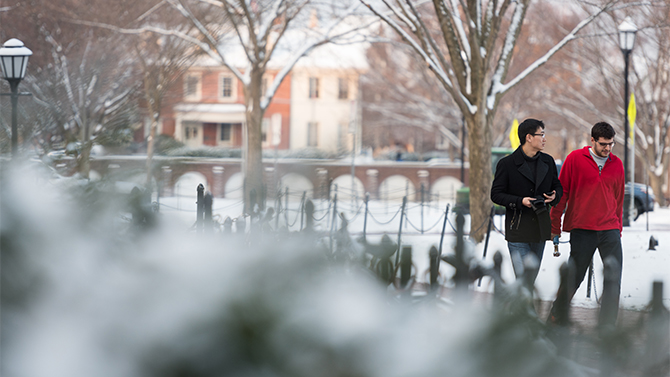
[405, 266]
[208, 212]
[402, 214]
[444, 228]
[422, 201]
[461, 275]
[365, 217]
[302, 209]
[434, 267]
[334, 222]
[309, 216]
[488, 235]
[200, 207]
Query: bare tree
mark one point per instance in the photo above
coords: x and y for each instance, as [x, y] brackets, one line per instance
[652, 71]
[162, 60]
[469, 46]
[81, 79]
[600, 85]
[84, 99]
[400, 101]
[261, 29]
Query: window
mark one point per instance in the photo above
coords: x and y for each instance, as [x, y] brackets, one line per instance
[192, 87]
[265, 127]
[312, 134]
[313, 87]
[226, 129]
[190, 130]
[227, 87]
[343, 88]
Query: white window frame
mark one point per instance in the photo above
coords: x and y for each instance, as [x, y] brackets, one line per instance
[342, 82]
[233, 87]
[198, 90]
[313, 88]
[230, 133]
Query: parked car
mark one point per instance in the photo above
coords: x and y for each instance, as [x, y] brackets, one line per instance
[644, 199]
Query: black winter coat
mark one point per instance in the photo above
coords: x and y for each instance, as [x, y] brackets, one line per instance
[512, 182]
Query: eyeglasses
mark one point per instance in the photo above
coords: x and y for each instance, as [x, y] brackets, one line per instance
[606, 144]
[541, 135]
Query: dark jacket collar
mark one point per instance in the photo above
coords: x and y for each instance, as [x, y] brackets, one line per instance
[524, 169]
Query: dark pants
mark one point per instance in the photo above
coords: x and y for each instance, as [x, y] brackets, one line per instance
[583, 245]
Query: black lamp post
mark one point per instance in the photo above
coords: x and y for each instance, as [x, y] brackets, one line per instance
[14, 61]
[627, 32]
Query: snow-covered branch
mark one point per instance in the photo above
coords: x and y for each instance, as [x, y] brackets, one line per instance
[497, 88]
[304, 50]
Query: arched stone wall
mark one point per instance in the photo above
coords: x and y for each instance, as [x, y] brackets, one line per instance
[445, 188]
[218, 174]
[395, 187]
[297, 184]
[187, 184]
[233, 186]
[344, 187]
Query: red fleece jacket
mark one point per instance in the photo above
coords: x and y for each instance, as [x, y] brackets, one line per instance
[594, 199]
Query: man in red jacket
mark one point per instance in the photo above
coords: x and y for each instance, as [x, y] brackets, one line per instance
[593, 190]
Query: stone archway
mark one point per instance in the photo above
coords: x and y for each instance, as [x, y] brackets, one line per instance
[297, 184]
[187, 184]
[234, 185]
[395, 187]
[444, 189]
[344, 189]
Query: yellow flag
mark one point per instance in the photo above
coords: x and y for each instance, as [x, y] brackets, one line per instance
[514, 135]
[632, 112]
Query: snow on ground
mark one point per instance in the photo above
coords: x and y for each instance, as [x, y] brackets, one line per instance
[641, 266]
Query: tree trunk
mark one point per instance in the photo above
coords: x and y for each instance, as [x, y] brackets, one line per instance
[84, 159]
[480, 174]
[656, 184]
[254, 187]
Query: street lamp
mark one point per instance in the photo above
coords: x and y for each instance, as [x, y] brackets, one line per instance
[627, 31]
[14, 61]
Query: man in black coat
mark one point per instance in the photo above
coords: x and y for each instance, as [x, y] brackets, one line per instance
[525, 183]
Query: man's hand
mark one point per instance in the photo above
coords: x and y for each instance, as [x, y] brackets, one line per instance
[554, 237]
[550, 198]
[526, 201]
